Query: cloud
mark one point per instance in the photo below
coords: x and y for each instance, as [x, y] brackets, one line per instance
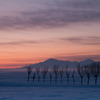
[26, 42]
[18, 42]
[58, 13]
[92, 40]
[80, 57]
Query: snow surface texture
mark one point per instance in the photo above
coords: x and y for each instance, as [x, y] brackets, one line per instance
[50, 93]
[14, 86]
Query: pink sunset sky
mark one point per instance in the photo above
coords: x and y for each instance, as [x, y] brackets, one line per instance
[32, 31]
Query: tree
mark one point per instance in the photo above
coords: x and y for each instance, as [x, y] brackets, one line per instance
[50, 77]
[81, 72]
[73, 73]
[67, 74]
[95, 69]
[44, 72]
[88, 73]
[38, 72]
[55, 69]
[61, 74]
[29, 70]
[33, 77]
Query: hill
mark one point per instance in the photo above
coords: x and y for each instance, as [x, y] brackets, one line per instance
[51, 62]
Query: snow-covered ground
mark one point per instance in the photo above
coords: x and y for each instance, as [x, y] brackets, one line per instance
[49, 93]
[14, 86]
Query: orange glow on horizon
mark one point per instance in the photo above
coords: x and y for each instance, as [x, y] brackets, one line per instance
[64, 43]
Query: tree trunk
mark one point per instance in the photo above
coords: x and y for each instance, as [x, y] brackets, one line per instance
[81, 81]
[44, 80]
[67, 80]
[50, 80]
[38, 78]
[88, 81]
[55, 79]
[61, 79]
[95, 80]
[28, 77]
[73, 80]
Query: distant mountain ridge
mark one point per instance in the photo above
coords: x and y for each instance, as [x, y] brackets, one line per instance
[50, 62]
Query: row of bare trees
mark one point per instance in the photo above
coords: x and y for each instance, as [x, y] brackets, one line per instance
[87, 70]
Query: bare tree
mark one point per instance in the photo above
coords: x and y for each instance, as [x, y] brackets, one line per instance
[44, 72]
[50, 77]
[61, 74]
[73, 74]
[88, 73]
[29, 70]
[33, 77]
[55, 69]
[81, 72]
[38, 73]
[95, 69]
[67, 74]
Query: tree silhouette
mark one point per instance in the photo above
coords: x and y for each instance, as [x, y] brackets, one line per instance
[88, 73]
[61, 74]
[73, 74]
[50, 77]
[29, 70]
[81, 72]
[67, 74]
[38, 73]
[95, 69]
[44, 72]
[55, 69]
[33, 77]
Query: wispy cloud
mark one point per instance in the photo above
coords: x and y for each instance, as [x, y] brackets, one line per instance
[78, 57]
[26, 42]
[57, 13]
[92, 40]
[18, 42]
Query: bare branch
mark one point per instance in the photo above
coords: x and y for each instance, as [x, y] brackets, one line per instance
[88, 73]
[38, 72]
[44, 72]
[95, 69]
[67, 74]
[61, 74]
[81, 72]
[73, 74]
[55, 69]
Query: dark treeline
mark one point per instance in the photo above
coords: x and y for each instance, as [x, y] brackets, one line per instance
[88, 71]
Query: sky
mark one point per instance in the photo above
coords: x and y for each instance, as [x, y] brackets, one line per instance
[32, 31]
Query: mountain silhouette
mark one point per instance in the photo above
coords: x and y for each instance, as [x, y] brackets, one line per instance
[51, 62]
